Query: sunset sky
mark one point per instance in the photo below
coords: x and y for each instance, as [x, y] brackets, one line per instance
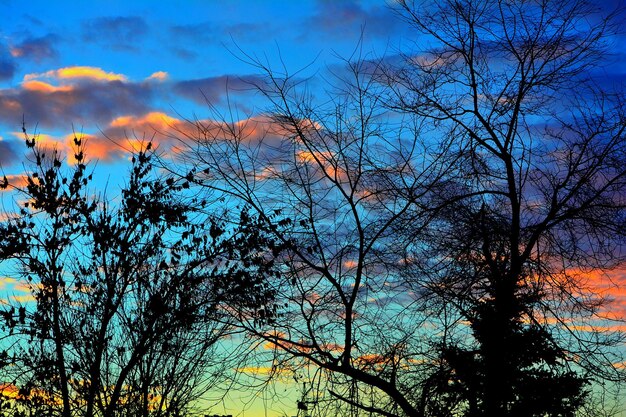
[113, 70]
[117, 70]
[119, 67]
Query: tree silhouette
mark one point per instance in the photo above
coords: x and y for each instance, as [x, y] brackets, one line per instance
[536, 195]
[421, 237]
[124, 318]
[440, 211]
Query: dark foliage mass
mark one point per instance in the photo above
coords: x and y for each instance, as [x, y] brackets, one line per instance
[126, 291]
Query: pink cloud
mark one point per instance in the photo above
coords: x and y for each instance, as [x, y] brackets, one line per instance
[159, 75]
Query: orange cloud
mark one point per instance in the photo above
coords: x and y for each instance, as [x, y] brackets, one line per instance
[159, 75]
[25, 287]
[75, 95]
[48, 143]
[12, 104]
[10, 391]
[96, 148]
[15, 181]
[26, 298]
[9, 286]
[609, 288]
[153, 120]
[350, 264]
[101, 148]
[164, 130]
[261, 370]
[307, 156]
[43, 87]
[93, 73]
[129, 132]
[372, 359]
[276, 338]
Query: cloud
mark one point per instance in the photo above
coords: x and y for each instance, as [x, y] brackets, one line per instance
[214, 89]
[75, 95]
[183, 53]
[37, 49]
[43, 87]
[78, 72]
[249, 31]
[47, 143]
[82, 104]
[154, 121]
[198, 33]
[99, 148]
[8, 154]
[159, 75]
[124, 135]
[349, 17]
[612, 285]
[32, 48]
[16, 180]
[124, 109]
[10, 286]
[262, 370]
[188, 37]
[129, 133]
[169, 134]
[118, 32]
[210, 32]
[606, 285]
[7, 63]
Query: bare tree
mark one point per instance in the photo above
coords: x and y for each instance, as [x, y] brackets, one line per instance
[333, 184]
[535, 202]
[436, 218]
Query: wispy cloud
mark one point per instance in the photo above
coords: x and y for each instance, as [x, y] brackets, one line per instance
[349, 17]
[117, 32]
[7, 63]
[214, 33]
[213, 89]
[129, 133]
[36, 48]
[16, 180]
[197, 32]
[8, 153]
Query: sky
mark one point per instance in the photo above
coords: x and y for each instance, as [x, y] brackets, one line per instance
[116, 70]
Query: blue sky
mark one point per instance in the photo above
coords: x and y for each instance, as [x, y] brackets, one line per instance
[121, 69]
